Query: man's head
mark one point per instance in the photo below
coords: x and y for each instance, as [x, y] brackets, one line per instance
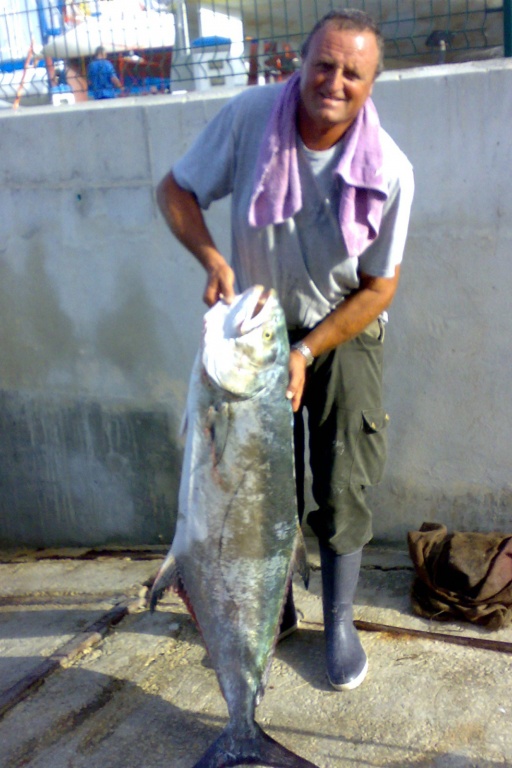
[340, 60]
[100, 52]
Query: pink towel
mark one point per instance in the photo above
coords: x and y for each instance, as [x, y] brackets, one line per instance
[277, 194]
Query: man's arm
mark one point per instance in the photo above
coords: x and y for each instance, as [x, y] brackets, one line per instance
[186, 221]
[352, 316]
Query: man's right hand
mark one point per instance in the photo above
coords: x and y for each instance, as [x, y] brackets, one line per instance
[220, 284]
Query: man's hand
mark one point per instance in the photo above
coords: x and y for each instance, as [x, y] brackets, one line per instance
[297, 370]
[219, 284]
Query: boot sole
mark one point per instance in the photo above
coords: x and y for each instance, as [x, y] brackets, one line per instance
[355, 683]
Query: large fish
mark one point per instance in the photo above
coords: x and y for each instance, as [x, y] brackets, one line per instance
[237, 534]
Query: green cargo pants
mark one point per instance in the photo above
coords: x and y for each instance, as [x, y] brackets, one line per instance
[347, 438]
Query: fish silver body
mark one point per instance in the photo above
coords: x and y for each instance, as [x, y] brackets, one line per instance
[237, 529]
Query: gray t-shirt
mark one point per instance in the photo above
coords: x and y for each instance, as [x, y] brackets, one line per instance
[304, 258]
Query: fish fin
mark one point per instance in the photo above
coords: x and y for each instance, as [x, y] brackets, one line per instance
[166, 578]
[300, 557]
[257, 749]
[218, 419]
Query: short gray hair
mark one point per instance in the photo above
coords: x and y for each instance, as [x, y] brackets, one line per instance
[348, 18]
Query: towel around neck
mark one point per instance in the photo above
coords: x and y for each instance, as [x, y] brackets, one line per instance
[277, 194]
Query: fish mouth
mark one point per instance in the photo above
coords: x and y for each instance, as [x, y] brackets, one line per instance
[259, 304]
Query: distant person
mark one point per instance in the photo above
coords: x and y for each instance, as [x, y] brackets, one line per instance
[101, 76]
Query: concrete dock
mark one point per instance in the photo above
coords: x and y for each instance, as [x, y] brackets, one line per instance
[90, 679]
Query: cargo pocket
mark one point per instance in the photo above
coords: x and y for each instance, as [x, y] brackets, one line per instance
[370, 457]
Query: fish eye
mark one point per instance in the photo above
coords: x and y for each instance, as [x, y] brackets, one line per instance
[267, 335]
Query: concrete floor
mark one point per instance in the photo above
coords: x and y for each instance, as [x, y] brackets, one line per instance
[88, 679]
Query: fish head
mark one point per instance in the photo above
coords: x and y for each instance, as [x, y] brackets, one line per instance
[245, 344]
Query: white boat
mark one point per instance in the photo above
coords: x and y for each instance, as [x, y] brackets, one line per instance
[117, 26]
[21, 75]
[28, 84]
[43, 34]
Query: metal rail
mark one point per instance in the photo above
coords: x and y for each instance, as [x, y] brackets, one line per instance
[214, 42]
[507, 27]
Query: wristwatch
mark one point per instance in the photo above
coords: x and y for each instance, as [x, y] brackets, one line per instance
[305, 352]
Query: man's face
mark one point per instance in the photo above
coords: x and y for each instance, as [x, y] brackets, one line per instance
[337, 77]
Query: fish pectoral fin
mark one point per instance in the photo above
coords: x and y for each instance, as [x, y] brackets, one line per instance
[300, 557]
[260, 748]
[166, 578]
[218, 419]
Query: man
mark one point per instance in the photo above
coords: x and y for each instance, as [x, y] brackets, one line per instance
[321, 198]
[101, 76]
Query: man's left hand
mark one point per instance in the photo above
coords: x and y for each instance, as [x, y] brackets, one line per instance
[297, 370]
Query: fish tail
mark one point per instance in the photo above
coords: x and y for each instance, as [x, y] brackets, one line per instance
[166, 578]
[257, 749]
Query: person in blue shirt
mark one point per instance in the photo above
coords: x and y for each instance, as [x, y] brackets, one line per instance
[101, 76]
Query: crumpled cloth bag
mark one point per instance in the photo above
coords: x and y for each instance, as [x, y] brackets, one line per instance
[464, 576]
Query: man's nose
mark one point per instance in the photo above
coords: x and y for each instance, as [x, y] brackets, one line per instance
[336, 81]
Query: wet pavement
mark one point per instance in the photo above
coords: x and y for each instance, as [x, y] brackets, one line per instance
[90, 679]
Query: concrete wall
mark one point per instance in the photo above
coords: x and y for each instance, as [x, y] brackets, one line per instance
[100, 313]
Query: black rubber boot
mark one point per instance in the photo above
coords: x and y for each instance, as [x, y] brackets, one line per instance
[347, 664]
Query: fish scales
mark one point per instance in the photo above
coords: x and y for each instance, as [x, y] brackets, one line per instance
[237, 528]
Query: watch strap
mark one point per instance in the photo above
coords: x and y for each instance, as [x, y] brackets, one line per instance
[305, 351]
